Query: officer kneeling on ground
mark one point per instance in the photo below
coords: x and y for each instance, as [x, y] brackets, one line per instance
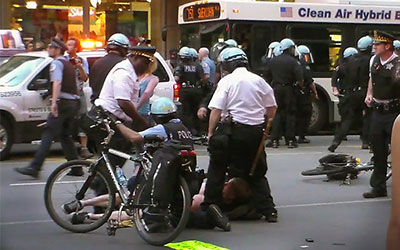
[244, 99]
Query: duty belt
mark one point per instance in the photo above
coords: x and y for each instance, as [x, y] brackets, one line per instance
[189, 85]
[241, 125]
[389, 107]
[355, 89]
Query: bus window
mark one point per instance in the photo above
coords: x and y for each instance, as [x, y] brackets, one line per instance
[324, 43]
[190, 36]
[261, 37]
[203, 35]
[242, 35]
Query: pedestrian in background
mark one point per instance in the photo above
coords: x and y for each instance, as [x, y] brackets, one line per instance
[82, 75]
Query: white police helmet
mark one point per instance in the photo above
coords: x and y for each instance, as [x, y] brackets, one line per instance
[364, 43]
[350, 51]
[163, 106]
[185, 53]
[118, 40]
[286, 44]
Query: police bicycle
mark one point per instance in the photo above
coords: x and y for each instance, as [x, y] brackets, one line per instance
[343, 167]
[61, 189]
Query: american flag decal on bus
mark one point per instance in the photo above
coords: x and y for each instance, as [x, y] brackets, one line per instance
[286, 12]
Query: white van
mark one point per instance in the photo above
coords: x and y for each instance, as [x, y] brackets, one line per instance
[24, 78]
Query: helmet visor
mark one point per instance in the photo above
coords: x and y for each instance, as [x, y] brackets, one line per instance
[308, 58]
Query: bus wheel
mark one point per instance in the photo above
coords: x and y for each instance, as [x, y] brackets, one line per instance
[319, 116]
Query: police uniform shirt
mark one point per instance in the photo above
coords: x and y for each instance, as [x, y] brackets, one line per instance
[121, 84]
[394, 56]
[244, 95]
[189, 73]
[284, 70]
[212, 68]
[158, 130]
[56, 74]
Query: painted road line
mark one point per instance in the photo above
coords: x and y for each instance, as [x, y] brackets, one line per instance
[334, 203]
[43, 183]
[280, 207]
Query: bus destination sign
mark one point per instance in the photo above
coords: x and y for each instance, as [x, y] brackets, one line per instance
[202, 12]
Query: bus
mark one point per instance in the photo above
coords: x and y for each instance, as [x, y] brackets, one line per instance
[327, 29]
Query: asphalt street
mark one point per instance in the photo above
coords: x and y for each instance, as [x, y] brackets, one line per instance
[334, 216]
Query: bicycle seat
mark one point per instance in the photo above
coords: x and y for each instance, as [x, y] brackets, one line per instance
[153, 138]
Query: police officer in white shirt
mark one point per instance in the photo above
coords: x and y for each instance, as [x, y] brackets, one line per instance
[120, 93]
[246, 98]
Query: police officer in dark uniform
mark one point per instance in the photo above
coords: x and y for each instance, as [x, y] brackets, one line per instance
[344, 87]
[286, 75]
[64, 107]
[117, 48]
[189, 75]
[384, 97]
[360, 70]
[304, 97]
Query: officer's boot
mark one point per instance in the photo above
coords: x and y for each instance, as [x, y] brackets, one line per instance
[333, 146]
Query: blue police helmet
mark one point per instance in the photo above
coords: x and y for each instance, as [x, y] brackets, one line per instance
[119, 40]
[193, 53]
[185, 52]
[231, 42]
[277, 50]
[364, 43]
[396, 44]
[232, 54]
[286, 44]
[163, 106]
[350, 51]
[273, 45]
[303, 49]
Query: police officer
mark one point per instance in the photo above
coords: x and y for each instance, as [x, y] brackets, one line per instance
[189, 76]
[304, 97]
[117, 48]
[64, 107]
[120, 93]
[396, 46]
[344, 87]
[384, 96]
[286, 75]
[269, 53]
[244, 99]
[360, 71]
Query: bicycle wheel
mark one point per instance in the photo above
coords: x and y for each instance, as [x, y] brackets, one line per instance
[61, 202]
[178, 214]
[321, 171]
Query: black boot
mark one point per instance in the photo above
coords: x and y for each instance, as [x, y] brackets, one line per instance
[218, 217]
[292, 144]
[28, 171]
[375, 194]
[303, 140]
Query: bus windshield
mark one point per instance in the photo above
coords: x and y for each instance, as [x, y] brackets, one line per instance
[204, 34]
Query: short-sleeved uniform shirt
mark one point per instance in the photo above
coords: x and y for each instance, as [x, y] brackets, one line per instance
[211, 68]
[56, 74]
[243, 95]
[158, 130]
[120, 84]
